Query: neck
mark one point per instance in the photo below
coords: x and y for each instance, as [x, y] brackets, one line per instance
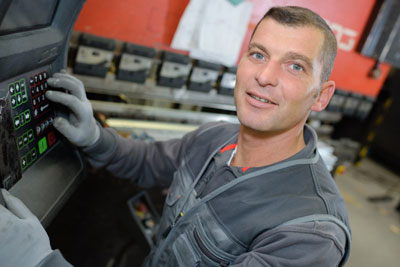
[257, 149]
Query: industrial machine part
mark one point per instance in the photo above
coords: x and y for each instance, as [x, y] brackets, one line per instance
[228, 81]
[383, 40]
[204, 75]
[36, 164]
[174, 70]
[135, 63]
[94, 55]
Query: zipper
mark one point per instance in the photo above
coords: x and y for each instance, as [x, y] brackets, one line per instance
[207, 252]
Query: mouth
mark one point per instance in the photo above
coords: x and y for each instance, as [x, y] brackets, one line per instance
[267, 101]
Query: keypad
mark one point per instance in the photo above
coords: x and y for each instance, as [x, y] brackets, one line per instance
[18, 93]
[28, 158]
[22, 118]
[33, 117]
[38, 88]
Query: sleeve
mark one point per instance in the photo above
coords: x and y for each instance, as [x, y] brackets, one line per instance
[305, 244]
[147, 164]
[54, 259]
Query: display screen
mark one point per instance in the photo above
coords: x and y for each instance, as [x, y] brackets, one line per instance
[24, 15]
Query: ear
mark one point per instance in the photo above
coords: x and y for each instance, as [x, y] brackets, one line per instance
[324, 96]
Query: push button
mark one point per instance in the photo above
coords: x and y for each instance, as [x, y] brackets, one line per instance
[51, 137]
[22, 85]
[17, 87]
[31, 81]
[40, 77]
[45, 75]
[17, 122]
[24, 98]
[13, 101]
[37, 89]
[42, 145]
[20, 142]
[27, 115]
[38, 130]
[19, 99]
[11, 88]
[32, 91]
[25, 138]
[33, 154]
[22, 119]
[35, 112]
[30, 135]
[24, 162]
[36, 78]
[34, 102]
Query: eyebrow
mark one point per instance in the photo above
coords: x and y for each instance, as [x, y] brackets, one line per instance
[289, 55]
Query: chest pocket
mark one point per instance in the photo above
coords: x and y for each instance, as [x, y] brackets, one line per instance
[180, 185]
[192, 248]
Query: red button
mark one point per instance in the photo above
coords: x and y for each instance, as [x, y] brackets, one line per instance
[51, 138]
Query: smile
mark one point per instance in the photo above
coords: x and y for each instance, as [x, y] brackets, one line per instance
[262, 99]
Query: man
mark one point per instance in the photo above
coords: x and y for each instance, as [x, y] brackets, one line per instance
[254, 194]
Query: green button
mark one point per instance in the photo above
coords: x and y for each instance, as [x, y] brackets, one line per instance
[42, 145]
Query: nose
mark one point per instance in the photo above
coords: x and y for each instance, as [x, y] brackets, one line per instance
[268, 74]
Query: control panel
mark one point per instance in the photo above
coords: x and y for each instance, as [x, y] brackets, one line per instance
[31, 116]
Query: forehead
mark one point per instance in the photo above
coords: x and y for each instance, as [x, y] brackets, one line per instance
[304, 40]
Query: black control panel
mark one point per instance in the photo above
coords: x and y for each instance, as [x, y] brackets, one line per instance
[32, 116]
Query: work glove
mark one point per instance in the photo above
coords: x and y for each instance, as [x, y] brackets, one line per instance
[80, 128]
[23, 240]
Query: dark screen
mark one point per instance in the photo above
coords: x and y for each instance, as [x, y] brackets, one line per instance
[24, 15]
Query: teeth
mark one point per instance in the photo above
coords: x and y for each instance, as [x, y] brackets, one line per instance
[261, 99]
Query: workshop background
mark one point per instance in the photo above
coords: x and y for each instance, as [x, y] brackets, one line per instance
[153, 70]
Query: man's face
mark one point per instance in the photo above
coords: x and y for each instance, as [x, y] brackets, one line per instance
[278, 77]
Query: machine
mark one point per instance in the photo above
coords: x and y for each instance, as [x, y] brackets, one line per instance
[36, 164]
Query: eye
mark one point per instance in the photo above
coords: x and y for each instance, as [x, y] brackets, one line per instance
[296, 67]
[257, 56]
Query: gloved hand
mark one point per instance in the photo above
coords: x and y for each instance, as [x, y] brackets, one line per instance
[81, 128]
[23, 240]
